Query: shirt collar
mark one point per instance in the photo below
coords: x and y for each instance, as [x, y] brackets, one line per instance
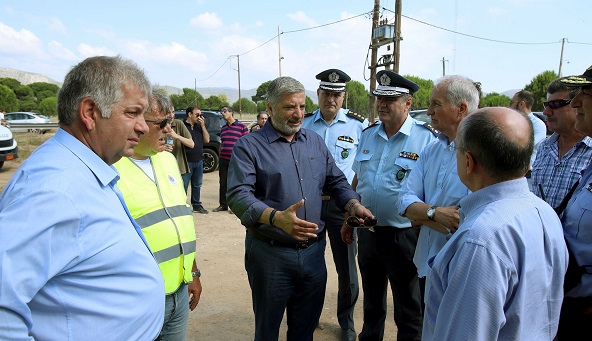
[104, 172]
[492, 193]
[273, 135]
[339, 117]
[405, 128]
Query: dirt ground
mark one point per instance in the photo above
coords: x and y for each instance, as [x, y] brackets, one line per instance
[224, 312]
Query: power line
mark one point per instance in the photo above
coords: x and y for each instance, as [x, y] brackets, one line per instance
[215, 72]
[331, 23]
[473, 36]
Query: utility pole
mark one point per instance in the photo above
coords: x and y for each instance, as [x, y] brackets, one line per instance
[373, 61]
[444, 66]
[561, 58]
[279, 52]
[240, 105]
[397, 49]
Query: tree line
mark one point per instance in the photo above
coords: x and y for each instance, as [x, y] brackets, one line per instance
[41, 97]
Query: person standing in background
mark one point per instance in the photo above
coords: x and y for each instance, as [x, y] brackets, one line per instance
[230, 133]
[196, 125]
[181, 138]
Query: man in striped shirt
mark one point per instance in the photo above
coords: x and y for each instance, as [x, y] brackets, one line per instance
[229, 134]
[564, 155]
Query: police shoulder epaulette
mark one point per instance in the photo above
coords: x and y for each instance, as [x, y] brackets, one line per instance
[430, 128]
[308, 114]
[375, 124]
[356, 116]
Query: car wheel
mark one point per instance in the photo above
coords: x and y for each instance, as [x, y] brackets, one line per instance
[210, 160]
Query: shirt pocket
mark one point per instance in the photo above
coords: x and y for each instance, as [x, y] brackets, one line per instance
[343, 151]
[584, 201]
[401, 171]
[318, 168]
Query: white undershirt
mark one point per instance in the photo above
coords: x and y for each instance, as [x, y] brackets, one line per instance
[145, 166]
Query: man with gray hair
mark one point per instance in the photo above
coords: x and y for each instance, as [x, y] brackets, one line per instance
[431, 195]
[275, 181]
[500, 276]
[75, 265]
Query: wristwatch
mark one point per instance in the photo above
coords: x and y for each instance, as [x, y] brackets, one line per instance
[430, 212]
[196, 273]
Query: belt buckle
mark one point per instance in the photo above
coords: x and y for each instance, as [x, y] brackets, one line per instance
[301, 245]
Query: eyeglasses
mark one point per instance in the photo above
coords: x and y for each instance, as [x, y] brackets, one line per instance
[557, 103]
[353, 221]
[223, 110]
[163, 123]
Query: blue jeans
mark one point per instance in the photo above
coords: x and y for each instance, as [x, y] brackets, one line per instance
[195, 175]
[285, 279]
[176, 316]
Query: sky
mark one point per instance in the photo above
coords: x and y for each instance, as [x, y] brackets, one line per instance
[503, 44]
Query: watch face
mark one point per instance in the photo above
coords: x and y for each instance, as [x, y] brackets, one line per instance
[430, 213]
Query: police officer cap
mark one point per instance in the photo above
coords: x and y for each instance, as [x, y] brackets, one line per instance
[333, 80]
[391, 84]
[578, 81]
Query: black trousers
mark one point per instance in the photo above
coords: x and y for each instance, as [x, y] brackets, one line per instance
[575, 319]
[386, 256]
[223, 173]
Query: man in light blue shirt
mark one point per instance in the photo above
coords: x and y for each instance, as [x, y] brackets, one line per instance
[430, 196]
[341, 130]
[500, 276]
[387, 154]
[75, 266]
[523, 101]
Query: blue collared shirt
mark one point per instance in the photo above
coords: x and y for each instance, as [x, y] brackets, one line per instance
[342, 137]
[500, 276]
[434, 181]
[73, 266]
[577, 227]
[382, 165]
[266, 170]
[557, 175]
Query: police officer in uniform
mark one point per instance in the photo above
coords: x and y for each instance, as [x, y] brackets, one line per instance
[341, 130]
[386, 155]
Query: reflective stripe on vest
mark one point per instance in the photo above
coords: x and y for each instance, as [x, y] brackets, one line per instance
[162, 213]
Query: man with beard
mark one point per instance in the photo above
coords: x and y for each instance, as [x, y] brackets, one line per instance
[275, 181]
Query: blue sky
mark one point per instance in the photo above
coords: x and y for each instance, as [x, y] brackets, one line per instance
[180, 43]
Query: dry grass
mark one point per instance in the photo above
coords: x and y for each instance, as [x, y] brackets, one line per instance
[28, 142]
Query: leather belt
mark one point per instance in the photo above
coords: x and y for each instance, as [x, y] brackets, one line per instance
[298, 245]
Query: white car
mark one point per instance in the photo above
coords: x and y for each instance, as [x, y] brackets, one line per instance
[32, 118]
[8, 147]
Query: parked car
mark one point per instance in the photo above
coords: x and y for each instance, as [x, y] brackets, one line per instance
[32, 118]
[211, 150]
[8, 146]
[543, 118]
[421, 115]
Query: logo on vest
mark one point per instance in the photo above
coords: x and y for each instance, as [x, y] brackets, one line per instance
[172, 179]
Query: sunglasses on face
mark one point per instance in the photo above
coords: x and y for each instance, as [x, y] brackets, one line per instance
[163, 123]
[556, 104]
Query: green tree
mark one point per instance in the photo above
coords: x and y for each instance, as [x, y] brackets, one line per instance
[8, 100]
[247, 105]
[45, 94]
[28, 104]
[538, 86]
[49, 106]
[10, 82]
[261, 106]
[357, 97]
[421, 98]
[261, 91]
[39, 87]
[494, 99]
[189, 97]
[214, 103]
[310, 106]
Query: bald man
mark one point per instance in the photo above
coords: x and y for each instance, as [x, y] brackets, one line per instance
[500, 276]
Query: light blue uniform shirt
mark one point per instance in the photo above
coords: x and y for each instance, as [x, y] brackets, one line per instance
[342, 137]
[540, 133]
[500, 276]
[72, 265]
[577, 227]
[434, 181]
[382, 165]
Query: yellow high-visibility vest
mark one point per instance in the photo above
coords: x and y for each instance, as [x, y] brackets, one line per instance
[161, 210]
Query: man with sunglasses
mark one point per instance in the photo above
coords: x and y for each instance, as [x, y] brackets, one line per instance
[196, 125]
[566, 153]
[523, 101]
[229, 134]
[153, 192]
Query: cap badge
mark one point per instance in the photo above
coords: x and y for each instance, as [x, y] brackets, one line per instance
[385, 80]
[333, 77]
